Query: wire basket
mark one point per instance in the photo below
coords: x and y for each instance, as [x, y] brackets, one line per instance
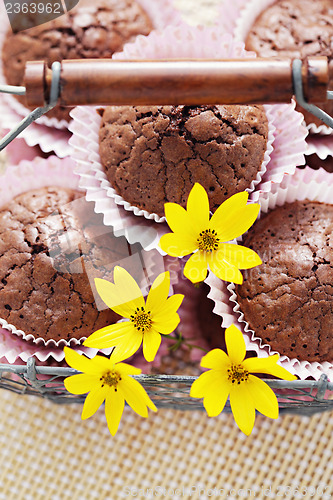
[304, 397]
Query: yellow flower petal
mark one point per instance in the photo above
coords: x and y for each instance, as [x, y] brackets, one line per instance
[151, 344]
[129, 345]
[179, 220]
[239, 256]
[263, 397]
[103, 363]
[198, 208]
[215, 399]
[233, 218]
[242, 407]
[178, 244]
[167, 325]
[110, 295]
[216, 359]
[170, 307]
[81, 383]
[158, 293]
[81, 362]
[235, 344]
[93, 401]
[114, 407]
[127, 285]
[124, 296]
[109, 336]
[125, 369]
[204, 382]
[268, 365]
[196, 267]
[136, 396]
[223, 269]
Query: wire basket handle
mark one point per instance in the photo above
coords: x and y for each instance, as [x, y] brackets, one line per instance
[189, 82]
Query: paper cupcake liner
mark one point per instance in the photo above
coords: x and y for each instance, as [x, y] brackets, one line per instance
[237, 19]
[18, 151]
[161, 12]
[321, 146]
[319, 154]
[185, 42]
[289, 146]
[49, 140]
[306, 184]
[228, 14]
[56, 172]
[15, 349]
[309, 175]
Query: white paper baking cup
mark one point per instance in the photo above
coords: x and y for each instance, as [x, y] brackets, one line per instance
[306, 184]
[321, 146]
[14, 348]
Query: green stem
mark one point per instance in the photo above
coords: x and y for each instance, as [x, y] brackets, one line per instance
[178, 339]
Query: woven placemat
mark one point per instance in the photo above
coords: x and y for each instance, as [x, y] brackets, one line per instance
[48, 453]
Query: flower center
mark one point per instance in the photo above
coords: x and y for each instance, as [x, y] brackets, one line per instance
[111, 379]
[141, 319]
[208, 240]
[236, 373]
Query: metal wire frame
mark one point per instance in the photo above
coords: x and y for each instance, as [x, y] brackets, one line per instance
[55, 93]
[303, 397]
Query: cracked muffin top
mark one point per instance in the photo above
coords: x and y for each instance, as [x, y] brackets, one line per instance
[52, 246]
[288, 300]
[296, 29]
[154, 155]
[94, 29]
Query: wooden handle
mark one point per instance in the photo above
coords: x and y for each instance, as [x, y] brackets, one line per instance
[191, 82]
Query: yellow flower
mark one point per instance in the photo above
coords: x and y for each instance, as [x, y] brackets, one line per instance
[231, 375]
[193, 232]
[147, 321]
[107, 381]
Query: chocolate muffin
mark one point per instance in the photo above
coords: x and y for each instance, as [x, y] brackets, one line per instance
[92, 30]
[52, 246]
[154, 155]
[296, 29]
[288, 300]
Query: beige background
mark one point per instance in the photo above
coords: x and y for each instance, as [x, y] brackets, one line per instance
[47, 452]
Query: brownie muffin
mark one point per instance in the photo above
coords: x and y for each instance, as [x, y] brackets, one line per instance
[154, 155]
[52, 246]
[288, 300]
[94, 29]
[297, 29]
